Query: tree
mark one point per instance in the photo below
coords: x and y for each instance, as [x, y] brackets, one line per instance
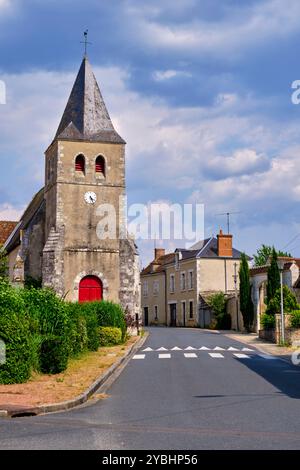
[273, 277]
[246, 304]
[3, 264]
[289, 302]
[265, 252]
[217, 302]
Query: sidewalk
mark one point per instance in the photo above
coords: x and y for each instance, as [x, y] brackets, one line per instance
[251, 339]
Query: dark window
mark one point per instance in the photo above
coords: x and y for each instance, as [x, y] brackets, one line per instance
[191, 309]
[100, 165]
[156, 312]
[80, 163]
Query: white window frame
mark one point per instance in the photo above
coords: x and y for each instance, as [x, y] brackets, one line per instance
[145, 288]
[182, 284]
[190, 279]
[155, 287]
[172, 283]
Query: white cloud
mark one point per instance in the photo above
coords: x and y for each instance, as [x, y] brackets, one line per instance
[8, 212]
[247, 27]
[162, 75]
[243, 161]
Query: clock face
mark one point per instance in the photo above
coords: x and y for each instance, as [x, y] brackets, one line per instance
[90, 197]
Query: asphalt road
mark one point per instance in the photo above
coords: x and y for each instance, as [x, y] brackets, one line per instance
[185, 399]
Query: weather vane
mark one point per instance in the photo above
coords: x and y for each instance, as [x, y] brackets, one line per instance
[85, 42]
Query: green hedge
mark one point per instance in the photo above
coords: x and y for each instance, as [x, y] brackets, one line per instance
[267, 321]
[41, 331]
[110, 336]
[295, 319]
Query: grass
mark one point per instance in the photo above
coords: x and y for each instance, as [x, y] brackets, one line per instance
[81, 373]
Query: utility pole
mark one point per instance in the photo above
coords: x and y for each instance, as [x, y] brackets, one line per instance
[235, 277]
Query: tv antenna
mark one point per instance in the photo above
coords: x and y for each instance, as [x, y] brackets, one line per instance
[228, 214]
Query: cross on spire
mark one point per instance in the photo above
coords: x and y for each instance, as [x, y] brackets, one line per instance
[85, 42]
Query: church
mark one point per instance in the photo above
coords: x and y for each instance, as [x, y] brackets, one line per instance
[56, 240]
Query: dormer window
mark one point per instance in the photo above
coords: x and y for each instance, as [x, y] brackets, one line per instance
[100, 165]
[80, 164]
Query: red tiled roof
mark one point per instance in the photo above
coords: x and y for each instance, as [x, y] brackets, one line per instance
[160, 263]
[6, 227]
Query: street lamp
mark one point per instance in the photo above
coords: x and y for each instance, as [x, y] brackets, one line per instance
[280, 264]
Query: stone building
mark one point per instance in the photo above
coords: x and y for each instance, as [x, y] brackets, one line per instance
[175, 286]
[58, 239]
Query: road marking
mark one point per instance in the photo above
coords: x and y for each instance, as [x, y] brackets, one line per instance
[190, 348]
[241, 356]
[232, 349]
[176, 349]
[216, 355]
[247, 349]
[204, 348]
[162, 349]
[148, 349]
[139, 356]
[164, 356]
[217, 348]
[190, 355]
[266, 356]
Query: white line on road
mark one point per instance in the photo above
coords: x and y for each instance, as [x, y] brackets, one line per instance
[139, 356]
[148, 349]
[190, 348]
[190, 355]
[164, 356]
[204, 348]
[216, 355]
[162, 349]
[176, 349]
[217, 348]
[247, 349]
[242, 356]
[232, 349]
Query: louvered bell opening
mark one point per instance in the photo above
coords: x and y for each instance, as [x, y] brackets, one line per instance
[79, 164]
[100, 165]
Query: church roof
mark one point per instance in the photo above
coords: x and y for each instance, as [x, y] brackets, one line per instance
[14, 238]
[85, 116]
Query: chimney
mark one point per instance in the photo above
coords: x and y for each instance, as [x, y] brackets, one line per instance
[224, 244]
[158, 252]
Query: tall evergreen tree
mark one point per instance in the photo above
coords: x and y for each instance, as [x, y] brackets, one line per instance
[273, 277]
[246, 304]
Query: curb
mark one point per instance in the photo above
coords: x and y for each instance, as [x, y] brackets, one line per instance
[12, 412]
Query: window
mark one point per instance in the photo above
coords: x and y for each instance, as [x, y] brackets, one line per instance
[177, 260]
[172, 283]
[100, 165]
[80, 163]
[182, 281]
[155, 287]
[145, 288]
[183, 311]
[191, 280]
[191, 309]
[155, 312]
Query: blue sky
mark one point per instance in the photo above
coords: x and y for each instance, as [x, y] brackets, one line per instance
[200, 90]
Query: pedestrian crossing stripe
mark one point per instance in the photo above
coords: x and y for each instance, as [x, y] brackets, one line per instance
[139, 356]
[241, 356]
[190, 355]
[216, 355]
[247, 349]
[164, 356]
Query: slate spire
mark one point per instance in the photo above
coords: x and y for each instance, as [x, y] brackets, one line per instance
[85, 116]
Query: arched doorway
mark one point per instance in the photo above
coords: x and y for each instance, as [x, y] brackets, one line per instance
[90, 288]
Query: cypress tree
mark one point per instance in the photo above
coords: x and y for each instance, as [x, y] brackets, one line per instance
[273, 277]
[246, 305]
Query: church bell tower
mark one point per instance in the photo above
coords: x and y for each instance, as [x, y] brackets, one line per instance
[85, 168]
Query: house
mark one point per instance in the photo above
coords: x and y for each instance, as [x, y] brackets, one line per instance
[259, 279]
[56, 240]
[175, 286]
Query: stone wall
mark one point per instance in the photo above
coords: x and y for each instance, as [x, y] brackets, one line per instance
[129, 292]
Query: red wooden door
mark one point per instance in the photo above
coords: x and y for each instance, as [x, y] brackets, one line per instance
[90, 288]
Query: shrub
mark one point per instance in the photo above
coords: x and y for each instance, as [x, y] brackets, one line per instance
[54, 355]
[110, 335]
[289, 302]
[267, 321]
[295, 319]
[110, 314]
[224, 322]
